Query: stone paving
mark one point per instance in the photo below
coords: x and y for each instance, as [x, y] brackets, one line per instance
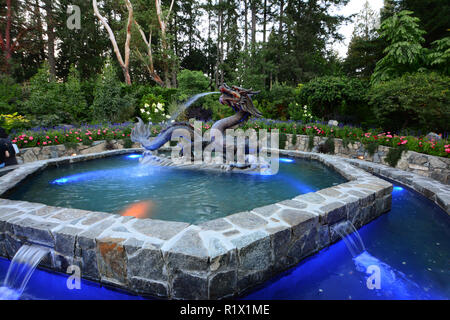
[218, 259]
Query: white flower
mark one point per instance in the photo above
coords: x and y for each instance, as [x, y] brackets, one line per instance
[146, 105]
[156, 110]
[167, 117]
[142, 110]
[160, 106]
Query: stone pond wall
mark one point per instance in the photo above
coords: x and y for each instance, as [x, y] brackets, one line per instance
[437, 168]
[51, 152]
[222, 258]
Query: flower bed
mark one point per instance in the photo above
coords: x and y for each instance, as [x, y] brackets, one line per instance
[351, 134]
[87, 134]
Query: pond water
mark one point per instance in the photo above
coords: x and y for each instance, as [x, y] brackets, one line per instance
[120, 184]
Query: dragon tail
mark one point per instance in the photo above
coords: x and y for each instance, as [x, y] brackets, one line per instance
[141, 133]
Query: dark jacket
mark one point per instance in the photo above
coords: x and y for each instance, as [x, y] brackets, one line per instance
[3, 149]
[6, 145]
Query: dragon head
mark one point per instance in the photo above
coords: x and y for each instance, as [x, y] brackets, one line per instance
[239, 99]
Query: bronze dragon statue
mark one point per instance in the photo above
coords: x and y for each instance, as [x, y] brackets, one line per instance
[239, 99]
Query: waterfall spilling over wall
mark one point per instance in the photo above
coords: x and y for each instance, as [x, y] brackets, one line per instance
[19, 273]
[388, 282]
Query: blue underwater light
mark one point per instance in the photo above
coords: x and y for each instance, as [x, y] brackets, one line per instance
[398, 189]
[286, 160]
[70, 179]
[134, 156]
[60, 181]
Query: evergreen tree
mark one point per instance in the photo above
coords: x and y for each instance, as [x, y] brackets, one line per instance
[85, 48]
[404, 52]
[110, 104]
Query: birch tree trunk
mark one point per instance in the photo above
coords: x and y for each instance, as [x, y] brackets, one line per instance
[165, 44]
[149, 61]
[124, 64]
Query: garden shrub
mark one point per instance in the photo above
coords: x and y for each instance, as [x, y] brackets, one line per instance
[45, 103]
[371, 147]
[153, 109]
[283, 140]
[13, 122]
[336, 97]
[394, 155]
[419, 101]
[110, 104]
[51, 103]
[294, 137]
[10, 94]
[328, 146]
[71, 145]
[74, 104]
[274, 104]
[301, 113]
[191, 82]
[310, 142]
[127, 143]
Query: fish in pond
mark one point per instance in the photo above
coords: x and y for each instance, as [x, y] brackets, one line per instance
[140, 210]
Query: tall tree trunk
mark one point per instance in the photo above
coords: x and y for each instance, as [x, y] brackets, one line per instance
[218, 76]
[149, 61]
[7, 45]
[280, 38]
[280, 28]
[50, 37]
[265, 21]
[37, 16]
[254, 9]
[124, 64]
[245, 25]
[165, 44]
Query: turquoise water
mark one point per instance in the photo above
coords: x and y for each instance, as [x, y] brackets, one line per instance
[114, 184]
[411, 242]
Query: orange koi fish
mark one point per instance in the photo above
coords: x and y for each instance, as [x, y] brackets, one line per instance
[140, 210]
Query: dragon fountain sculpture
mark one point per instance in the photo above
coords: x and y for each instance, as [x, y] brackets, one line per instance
[238, 98]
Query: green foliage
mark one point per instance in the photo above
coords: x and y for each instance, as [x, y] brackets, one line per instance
[328, 146]
[109, 102]
[332, 96]
[394, 155]
[310, 142]
[192, 82]
[300, 113]
[371, 147]
[127, 143]
[46, 99]
[294, 137]
[283, 140]
[404, 52]
[10, 94]
[439, 57]
[14, 122]
[274, 104]
[433, 15]
[419, 101]
[51, 103]
[71, 145]
[153, 109]
[75, 104]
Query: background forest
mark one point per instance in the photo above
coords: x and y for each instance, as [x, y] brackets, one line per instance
[127, 58]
